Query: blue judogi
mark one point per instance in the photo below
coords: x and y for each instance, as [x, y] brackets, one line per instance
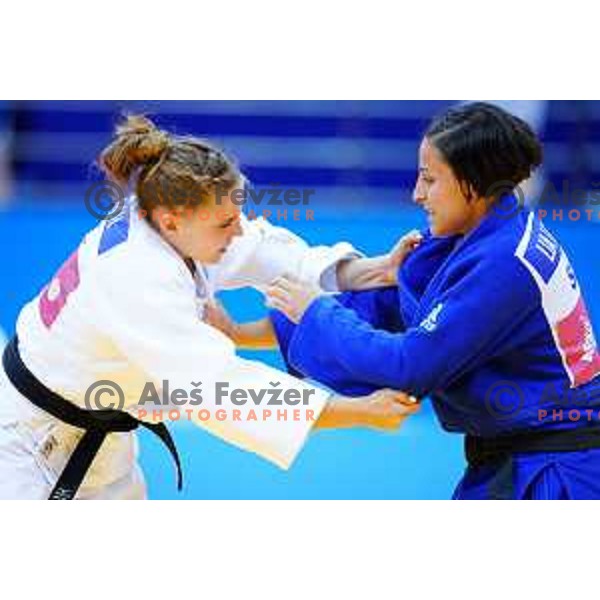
[493, 327]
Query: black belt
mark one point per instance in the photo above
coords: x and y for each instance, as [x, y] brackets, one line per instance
[489, 451]
[97, 424]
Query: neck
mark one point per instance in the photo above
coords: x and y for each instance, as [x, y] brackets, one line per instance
[479, 212]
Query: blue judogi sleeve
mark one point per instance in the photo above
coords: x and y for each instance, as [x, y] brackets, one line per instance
[472, 319]
[379, 308]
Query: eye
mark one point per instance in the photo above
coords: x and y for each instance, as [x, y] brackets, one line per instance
[425, 177]
[227, 224]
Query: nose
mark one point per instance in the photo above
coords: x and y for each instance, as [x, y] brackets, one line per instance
[237, 230]
[418, 194]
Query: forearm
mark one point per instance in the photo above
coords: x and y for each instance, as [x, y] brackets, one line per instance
[339, 414]
[343, 413]
[257, 335]
[365, 273]
[333, 338]
[368, 273]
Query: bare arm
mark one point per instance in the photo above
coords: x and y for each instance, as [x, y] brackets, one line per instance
[384, 409]
[256, 335]
[380, 271]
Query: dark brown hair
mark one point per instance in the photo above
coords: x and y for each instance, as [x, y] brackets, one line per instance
[165, 169]
[485, 146]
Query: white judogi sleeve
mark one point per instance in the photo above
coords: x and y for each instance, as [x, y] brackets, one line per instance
[146, 303]
[265, 252]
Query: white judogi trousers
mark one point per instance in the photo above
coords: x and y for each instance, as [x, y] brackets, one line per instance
[35, 448]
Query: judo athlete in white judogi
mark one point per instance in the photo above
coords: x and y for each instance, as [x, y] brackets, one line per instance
[129, 308]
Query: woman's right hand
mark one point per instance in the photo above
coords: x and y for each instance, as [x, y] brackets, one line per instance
[384, 410]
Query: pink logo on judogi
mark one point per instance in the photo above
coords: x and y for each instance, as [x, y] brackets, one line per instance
[54, 295]
[577, 341]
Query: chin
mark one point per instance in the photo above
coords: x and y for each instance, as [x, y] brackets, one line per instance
[211, 260]
[215, 258]
[436, 230]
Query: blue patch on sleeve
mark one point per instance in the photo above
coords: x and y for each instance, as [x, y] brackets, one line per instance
[543, 251]
[116, 231]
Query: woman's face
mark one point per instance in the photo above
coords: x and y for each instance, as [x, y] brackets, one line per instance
[438, 191]
[202, 233]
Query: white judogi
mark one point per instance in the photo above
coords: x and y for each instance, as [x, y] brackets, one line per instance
[126, 308]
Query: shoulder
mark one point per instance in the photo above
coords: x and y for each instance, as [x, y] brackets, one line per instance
[130, 254]
[496, 263]
[526, 248]
[538, 250]
[502, 246]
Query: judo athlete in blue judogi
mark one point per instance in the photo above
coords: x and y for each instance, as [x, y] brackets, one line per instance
[487, 319]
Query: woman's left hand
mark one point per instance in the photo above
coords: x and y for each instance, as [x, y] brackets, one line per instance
[291, 297]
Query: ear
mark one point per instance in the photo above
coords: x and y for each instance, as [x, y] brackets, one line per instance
[170, 223]
[166, 219]
[468, 191]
